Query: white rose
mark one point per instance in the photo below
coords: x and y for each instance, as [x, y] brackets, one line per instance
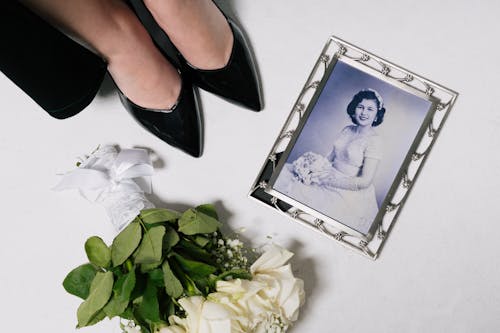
[242, 297]
[282, 287]
[203, 316]
[270, 300]
[267, 303]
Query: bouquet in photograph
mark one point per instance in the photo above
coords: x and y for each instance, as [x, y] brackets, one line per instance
[173, 272]
[310, 168]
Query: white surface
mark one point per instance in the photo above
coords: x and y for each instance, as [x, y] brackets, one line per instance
[439, 270]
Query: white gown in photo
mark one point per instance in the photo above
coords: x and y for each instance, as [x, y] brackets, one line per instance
[354, 208]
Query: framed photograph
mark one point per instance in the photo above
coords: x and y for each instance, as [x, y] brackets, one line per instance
[352, 146]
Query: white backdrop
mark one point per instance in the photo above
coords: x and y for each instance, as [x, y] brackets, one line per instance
[438, 271]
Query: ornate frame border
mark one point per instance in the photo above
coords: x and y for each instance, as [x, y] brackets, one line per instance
[443, 100]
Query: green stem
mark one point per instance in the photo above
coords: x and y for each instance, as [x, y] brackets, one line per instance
[128, 265]
[141, 222]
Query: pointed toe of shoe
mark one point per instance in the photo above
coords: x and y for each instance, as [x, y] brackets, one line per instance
[252, 99]
[238, 81]
[180, 126]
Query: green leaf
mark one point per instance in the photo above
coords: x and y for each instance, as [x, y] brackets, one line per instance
[173, 286]
[189, 249]
[156, 215]
[194, 269]
[194, 222]
[149, 308]
[190, 287]
[156, 277]
[170, 310]
[164, 300]
[121, 295]
[125, 243]
[117, 271]
[78, 281]
[97, 318]
[137, 317]
[98, 252]
[187, 283]
[149, 267]
[128, 313]
[201, 240]
[150, 249]
[100, 292]
[203, 285]
[171, 238]
[208, 209]
[140, 285]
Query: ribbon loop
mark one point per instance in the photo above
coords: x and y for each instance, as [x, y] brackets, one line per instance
[132, 163]
[118, 181]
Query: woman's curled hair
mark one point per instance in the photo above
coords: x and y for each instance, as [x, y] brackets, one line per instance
[367, 94]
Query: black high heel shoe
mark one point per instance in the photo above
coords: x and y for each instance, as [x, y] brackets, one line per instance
[180, 126]
[237, 81]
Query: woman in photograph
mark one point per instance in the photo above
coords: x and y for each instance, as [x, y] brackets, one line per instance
[341, 185]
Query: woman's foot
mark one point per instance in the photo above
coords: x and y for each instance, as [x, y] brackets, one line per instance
[197, 28]
[138, 68]
[111, 28]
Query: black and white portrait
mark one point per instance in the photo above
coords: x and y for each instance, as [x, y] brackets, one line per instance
[351, 146]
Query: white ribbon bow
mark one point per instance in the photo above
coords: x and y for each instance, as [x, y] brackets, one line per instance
[116, 180]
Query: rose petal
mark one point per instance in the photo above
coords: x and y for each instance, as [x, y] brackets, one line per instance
[239, 288]
[294, 301]
[215, 311]
[193, 307]
[174, 320]
[274, 257]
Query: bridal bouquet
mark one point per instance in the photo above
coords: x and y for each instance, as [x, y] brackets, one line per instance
[172, 272]
[309, 167]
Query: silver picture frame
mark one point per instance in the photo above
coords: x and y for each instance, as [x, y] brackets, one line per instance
[433, 103]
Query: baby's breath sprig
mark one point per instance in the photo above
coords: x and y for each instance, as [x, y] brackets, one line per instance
[229, 252]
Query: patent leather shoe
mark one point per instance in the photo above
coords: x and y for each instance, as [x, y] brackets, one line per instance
[237, 81]
[180, 126]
